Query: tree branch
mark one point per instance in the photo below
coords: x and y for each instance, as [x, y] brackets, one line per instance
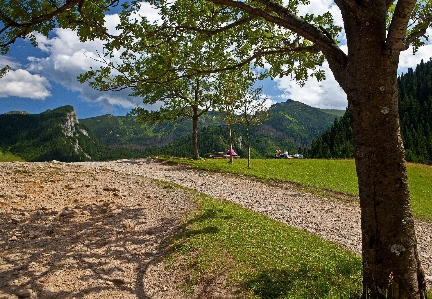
[410, 38]
[284, 18]
[27, 27]
[22, 29]
[44, 17]
[192, 72]
[397, 31]
[215, 31]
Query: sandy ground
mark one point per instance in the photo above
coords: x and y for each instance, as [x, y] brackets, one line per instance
[101, 229]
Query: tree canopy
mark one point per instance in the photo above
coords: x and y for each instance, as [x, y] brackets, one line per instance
[20, 19]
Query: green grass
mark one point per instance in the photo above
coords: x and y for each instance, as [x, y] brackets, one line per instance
[319, 175]
[8, 157]
[263, 258]
[420, 179]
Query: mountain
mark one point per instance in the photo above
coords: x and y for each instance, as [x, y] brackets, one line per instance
[52, 135]
[58, 134]
[415, 112]
[291, 125]
[126, 132]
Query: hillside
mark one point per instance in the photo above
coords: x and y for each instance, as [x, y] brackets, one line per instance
[52, 135]
[291, 125]
[58, 135]
[415, 112]
[124, 131]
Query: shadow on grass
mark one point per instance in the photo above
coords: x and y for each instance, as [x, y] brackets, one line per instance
[208, 214]
[333, 277]
[299, 283]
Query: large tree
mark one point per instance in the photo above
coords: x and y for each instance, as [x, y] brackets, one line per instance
[376, 32]
[186, 74]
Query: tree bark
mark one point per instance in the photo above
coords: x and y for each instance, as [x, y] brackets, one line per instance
[231, 159]
[391, 265]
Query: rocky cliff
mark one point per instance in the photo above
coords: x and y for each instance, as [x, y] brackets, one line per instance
[52, 135]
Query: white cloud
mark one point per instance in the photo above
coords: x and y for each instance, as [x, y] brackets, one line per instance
[111, 22]
[325, 94]
[21, 83]
[68, 58]
[5, 60]
[148, 11]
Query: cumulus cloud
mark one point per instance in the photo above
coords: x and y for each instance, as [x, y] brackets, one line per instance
[148, 11]
[5, 60]
[325, 94]
[68, 58]
[23, 84]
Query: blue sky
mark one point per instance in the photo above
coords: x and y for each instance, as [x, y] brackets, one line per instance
[45, 78]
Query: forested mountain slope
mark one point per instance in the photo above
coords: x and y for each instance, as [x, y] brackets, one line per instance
[291, 125]
[58, 135]
[51, 135]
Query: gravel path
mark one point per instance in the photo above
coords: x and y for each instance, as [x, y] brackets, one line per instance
[330, 219]
[99, 229]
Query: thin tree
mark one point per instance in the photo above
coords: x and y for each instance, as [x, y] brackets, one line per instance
[253, 110]
[181, 99]
[237, 85]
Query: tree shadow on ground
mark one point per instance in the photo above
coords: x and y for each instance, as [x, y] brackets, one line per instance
[89, 251]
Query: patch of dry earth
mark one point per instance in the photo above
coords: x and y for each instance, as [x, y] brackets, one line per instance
[69, 231]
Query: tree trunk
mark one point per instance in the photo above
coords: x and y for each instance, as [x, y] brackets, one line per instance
[195, 118]
[248, 144]
[230, 144]
[391, 265]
